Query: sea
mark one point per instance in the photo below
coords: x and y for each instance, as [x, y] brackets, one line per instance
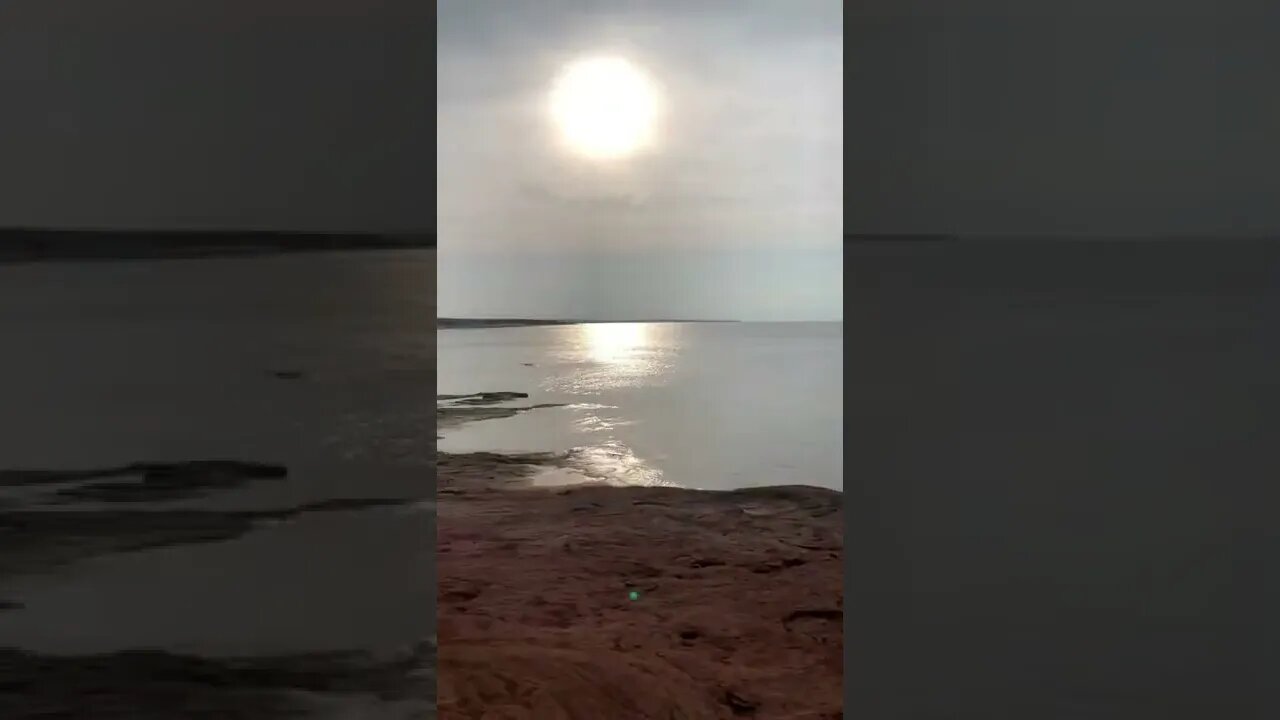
[1062, 490]
[323, 363]
[1061, 478]
[709, 405]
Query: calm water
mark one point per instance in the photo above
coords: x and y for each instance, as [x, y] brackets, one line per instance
[112, 362]
[109, 363]
[704, 405]
[1065, 490]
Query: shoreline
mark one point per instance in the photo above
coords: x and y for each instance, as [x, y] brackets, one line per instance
[446, 323]
[37, 245]
[577, 600]
[147, 684]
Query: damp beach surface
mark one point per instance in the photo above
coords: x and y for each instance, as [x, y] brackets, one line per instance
[596, 600]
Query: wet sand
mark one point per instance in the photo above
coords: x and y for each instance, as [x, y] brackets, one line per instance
[591, 601]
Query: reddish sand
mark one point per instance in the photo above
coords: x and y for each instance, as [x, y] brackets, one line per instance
[739, 610]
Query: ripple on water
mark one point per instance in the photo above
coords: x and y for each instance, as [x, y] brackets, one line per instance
[615, 463]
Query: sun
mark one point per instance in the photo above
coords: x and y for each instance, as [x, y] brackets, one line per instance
[604, 107]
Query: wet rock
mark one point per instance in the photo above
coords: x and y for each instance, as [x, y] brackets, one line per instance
[484, 398]
[479, 470]
[455, 410]
[450, 417]
[37, 540]
[591, 648]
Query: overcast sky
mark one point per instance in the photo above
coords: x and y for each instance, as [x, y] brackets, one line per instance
[736, 212]
[276, 114]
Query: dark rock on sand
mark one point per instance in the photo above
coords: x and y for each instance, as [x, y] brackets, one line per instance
[464, 473]
[460, 409]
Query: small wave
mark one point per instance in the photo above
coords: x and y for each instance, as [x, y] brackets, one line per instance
[615, 464]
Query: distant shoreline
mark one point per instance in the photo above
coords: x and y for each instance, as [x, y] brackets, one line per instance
[463, 323]
[23, 245]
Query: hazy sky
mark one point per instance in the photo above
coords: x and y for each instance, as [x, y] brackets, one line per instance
[1087, 121]
[735, 212]
[279, 114]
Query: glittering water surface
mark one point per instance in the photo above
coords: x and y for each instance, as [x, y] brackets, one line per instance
[709, 405]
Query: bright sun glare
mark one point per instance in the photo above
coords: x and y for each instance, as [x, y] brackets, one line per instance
[604, 107]
[613, 342]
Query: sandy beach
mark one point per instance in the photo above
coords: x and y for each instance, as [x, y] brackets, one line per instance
[590, 601]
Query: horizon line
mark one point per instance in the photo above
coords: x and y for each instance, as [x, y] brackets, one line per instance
[582, 321]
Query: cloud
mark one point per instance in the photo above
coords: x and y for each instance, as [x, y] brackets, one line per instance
[749, 146]
[753, 127]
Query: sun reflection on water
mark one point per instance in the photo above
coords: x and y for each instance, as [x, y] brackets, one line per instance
[599, 357]
[615, 464]
[614, 355]
[614, 343]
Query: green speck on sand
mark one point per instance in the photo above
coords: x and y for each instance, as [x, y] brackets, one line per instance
[634, 595]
